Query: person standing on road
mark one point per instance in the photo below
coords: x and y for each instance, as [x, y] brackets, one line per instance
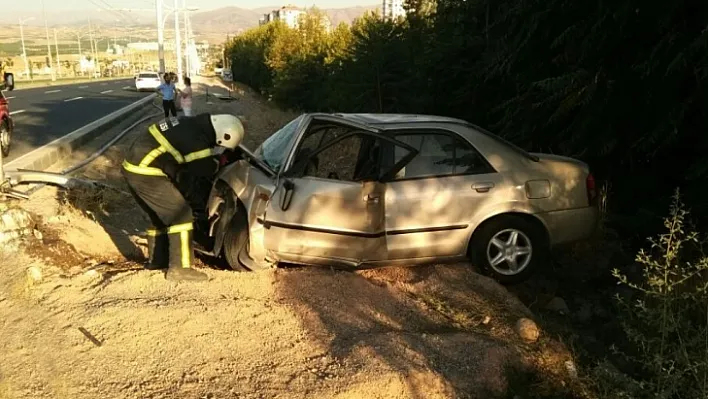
[167, 90]
[186, 97]
[163, 168]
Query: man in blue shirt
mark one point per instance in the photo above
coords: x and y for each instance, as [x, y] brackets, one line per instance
[167, 91]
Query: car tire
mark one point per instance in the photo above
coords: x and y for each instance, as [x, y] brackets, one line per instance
[236, 242]
[509, 240]
[5, 143]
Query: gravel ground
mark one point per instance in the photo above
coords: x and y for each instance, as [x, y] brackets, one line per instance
[80, 319]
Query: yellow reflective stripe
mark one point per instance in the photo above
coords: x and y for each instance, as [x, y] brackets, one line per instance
[142, 170]
[178, 228]
[196, 155]
[154, 233]
[152, 155]
[186, 256]
[166, 144]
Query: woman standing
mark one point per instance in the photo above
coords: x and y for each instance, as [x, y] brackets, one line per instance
[167, 90]
[186, 97]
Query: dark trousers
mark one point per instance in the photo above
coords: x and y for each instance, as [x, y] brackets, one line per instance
[170, 214]
[169, 107]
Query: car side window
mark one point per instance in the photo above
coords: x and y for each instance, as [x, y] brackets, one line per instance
[337, 153]
[439, 154]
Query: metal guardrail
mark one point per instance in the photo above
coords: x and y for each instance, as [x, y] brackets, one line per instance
[11, 179]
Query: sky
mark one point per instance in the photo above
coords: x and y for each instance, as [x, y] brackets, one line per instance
[65, 5]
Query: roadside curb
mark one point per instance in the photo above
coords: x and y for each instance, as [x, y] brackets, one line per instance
[48, 154]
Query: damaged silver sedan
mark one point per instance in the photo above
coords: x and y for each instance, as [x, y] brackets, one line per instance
[369, 190]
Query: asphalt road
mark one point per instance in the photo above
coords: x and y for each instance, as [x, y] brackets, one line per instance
[43, 114]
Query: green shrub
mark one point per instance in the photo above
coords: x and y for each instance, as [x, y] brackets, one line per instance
[668, 325]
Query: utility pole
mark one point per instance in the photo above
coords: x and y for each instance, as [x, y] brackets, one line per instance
[56, 46]
[223, 52]
[160, 36]
[78, 41]
[49, 47]
[178, 43]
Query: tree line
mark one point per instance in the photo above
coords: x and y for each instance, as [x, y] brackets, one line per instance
[619, 84]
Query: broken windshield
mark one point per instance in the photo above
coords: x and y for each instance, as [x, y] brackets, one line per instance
[273, 151]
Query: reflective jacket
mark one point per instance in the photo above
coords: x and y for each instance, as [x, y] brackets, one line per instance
[176, 149]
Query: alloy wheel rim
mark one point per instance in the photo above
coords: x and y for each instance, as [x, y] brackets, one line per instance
[509, 252]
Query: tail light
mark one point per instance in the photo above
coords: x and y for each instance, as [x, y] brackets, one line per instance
[591, 189]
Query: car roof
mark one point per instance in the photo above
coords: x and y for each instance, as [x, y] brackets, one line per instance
[386, 119]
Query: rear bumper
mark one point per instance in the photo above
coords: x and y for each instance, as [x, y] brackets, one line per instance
[146, 86]
[571, 225]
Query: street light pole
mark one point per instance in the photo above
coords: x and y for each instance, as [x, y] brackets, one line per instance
[56, 46]
[93, 52]
[186, 38]
[24, 52]
[160, 36]
[178, 44]
[49, 47]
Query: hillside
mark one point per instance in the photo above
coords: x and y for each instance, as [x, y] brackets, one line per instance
[232, 19]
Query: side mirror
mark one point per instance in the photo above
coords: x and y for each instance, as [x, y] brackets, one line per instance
[286, 197]
[9, 81]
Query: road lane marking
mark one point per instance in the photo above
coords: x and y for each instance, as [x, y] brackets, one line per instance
[72, 99]
[106, 91]
[19, 111]
[52, 91]
[83, 87]
[82, 131]
[126, 87]
[9, 98]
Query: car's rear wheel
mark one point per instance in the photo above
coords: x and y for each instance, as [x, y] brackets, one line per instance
[509, 248]
[236, 242]
[5, 137]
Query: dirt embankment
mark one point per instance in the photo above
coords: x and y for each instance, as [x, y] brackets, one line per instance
[80, 319]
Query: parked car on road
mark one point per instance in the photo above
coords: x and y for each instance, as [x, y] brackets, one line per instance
[147, 81]
[6, 125]
[369, 190]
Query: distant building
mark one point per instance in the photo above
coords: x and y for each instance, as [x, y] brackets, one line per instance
[393, 9]
[290, 15]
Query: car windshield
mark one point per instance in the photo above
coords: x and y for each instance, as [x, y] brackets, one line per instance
[273, 151]
[148, 75]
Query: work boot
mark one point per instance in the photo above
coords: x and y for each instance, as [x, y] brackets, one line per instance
[158, 255]
[182, 255]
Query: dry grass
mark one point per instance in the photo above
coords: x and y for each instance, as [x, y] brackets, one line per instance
[92, 200]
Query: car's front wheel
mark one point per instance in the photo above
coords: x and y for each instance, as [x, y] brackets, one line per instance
[509, 248]
[236, 242]
[5, 137]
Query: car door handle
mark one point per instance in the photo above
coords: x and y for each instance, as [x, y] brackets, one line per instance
[483, 187]
[372, 199]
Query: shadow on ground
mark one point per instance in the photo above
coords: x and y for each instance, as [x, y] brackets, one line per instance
[436, 331]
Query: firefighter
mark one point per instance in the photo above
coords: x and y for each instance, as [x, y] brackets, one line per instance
[162, 167]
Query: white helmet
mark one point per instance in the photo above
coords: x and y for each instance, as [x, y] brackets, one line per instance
[229, 130]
